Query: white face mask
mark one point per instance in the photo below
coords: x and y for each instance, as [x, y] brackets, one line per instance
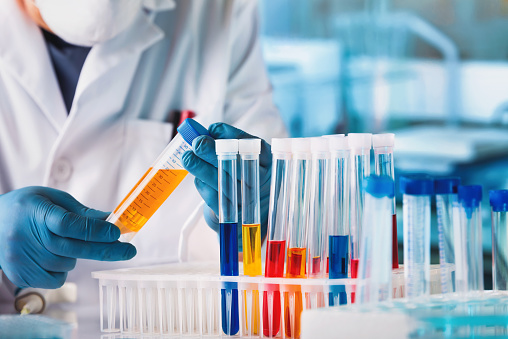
[88, 22]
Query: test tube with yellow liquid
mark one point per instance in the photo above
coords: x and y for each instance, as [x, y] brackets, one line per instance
[249, 150]
[157, 184]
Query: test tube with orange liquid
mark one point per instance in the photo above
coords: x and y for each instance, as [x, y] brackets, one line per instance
[157, 184]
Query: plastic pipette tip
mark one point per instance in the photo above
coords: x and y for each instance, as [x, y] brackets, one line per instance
[499, 200]
[470, 196]
[379, 186]
[226, 146]
[448, 185]
[416, 184]
[249, 146]
[383, 140]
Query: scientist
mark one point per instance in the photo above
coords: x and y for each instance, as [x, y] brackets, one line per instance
[88, 89]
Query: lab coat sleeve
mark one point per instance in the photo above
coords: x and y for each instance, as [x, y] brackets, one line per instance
[248, 104]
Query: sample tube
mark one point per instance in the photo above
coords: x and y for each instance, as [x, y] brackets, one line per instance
[251, 223]
[338, 238]
[227, 152]
[383, 163]
[297, 242]
[319, 198]
[278, 215]
[447, 220]
[417, 191]
[360, 144]
[499, 204]
[157, 184]
[468, 241]
[375, 270]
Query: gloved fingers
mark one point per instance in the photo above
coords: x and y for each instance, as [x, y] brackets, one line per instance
[200, 169]
[74, 248]
[209, 195]
[71, 225]
[211, 219]
[56, 263]
[32, 275]
[221, 130]
[204, 147]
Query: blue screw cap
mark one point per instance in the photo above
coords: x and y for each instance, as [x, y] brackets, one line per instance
[190, 129]
[470, 196]
[499, 200]
[448, 185]
[416, 184]
[379, 186]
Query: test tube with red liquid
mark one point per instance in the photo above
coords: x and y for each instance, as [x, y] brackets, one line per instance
[278, 214]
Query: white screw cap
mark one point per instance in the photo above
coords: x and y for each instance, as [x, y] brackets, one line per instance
[281, 145]
[250, 146]
[301, 145]
[226, 146]
[383, 140]
[338, 142]
[360, 140]
[319, 145]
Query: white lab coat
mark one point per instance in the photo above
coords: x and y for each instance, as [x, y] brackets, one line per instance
[202, 56]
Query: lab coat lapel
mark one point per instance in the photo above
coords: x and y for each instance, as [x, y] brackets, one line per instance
[24, 54]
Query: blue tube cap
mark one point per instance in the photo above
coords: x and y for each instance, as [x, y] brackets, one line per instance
[448, 185]
[470, 196]
[190, 129]
[379, 186]
[499, 200]
[416, 184]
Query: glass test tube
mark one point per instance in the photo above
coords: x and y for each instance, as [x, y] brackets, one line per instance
[338, 231]
[157, 184]
[375, 270]
[278, 215]
[297, 242]
[383, 163]
[319, 197]
[360, 144]
[499, 204]
[447, 220]
[249, 150]
[468, 241]
[227, 152]
[417, 191]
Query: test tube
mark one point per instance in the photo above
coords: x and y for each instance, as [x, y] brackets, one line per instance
[417, 191]
[468, 241]
[447, 220]
[227, 152]
[297, 242]
[383, 163]
[338, 238]
[249, 150]
[157, 184]
[499, 204]
[375, 270]
[319, 198]
[360, 144]
[278, 216]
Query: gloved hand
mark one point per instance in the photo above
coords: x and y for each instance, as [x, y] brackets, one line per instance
[43, 231]
[202, 163]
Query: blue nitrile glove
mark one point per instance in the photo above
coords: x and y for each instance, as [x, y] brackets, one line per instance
[202, 163]
[43, 231]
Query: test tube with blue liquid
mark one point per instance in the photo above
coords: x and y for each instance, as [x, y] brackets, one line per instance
[227, 153]
[417, 191]
[375, 270]
[468, 241]
[447, 205]
[499, 205]
[338, 232]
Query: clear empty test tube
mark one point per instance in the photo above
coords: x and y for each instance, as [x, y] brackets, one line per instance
[360, 145]
[499, 205]
[468, 241]
[447, 205]
[297, 242]
[375, 270]
[157, 184]
[319, 197]
[383, 165]
[249, 150]
[227, 153]
[338, 231]
[417, 191]
[278, 215]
